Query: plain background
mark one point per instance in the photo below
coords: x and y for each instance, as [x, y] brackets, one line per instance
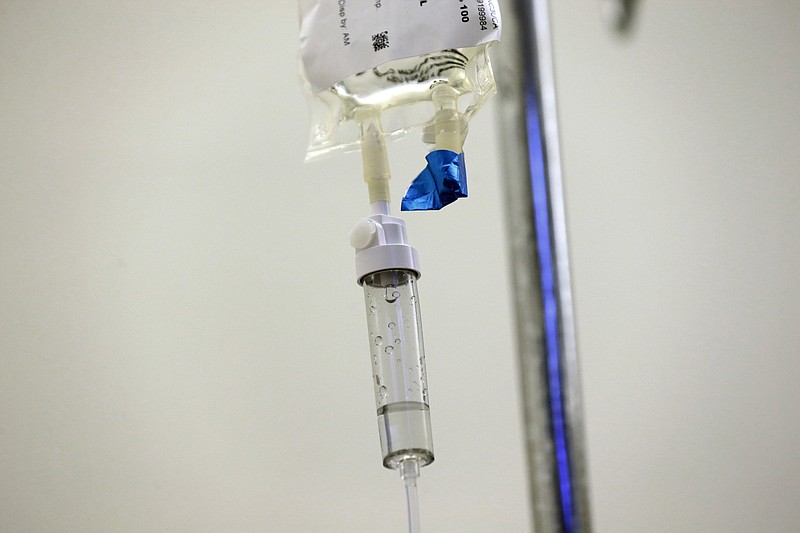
[183, 346]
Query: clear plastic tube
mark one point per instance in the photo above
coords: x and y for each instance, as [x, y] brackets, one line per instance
[409, 472]
[398, 367]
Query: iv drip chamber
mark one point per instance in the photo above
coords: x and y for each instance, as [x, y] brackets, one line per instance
[398, 367]
[388, 269]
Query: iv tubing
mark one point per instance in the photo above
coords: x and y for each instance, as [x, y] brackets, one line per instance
[409, 472]
[381, 207]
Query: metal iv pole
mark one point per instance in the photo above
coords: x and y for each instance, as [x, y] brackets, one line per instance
[540, 272]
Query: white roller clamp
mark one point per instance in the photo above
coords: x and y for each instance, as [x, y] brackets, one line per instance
[381, 244]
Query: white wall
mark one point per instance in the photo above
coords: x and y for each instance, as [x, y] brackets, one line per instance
[682, 148]
[182, 346]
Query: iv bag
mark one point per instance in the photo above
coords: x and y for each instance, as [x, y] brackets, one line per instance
[388, 56]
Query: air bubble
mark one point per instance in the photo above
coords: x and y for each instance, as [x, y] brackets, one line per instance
[382, 393]
[388, 350]
[392, 294]
[397, 341]
[378, 340]
[391, 325]
[372, 309]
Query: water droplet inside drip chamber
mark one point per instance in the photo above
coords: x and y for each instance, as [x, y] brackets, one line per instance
[392, 294]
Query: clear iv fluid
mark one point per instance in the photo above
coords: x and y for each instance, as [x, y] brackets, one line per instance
[400, 91]
[398, 366]
[395, 332]
[405, 432]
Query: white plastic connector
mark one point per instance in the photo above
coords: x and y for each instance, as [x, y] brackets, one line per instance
[373, 155]
[449, 126]
[381, 243]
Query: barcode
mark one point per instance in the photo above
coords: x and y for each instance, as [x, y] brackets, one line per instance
[380, 41]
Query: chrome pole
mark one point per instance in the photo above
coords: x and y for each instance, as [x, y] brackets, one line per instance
[540, 272]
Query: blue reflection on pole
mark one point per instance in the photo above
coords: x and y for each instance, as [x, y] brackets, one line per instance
[547, 280]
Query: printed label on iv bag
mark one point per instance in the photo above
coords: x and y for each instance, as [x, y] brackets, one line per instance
[339, 38]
